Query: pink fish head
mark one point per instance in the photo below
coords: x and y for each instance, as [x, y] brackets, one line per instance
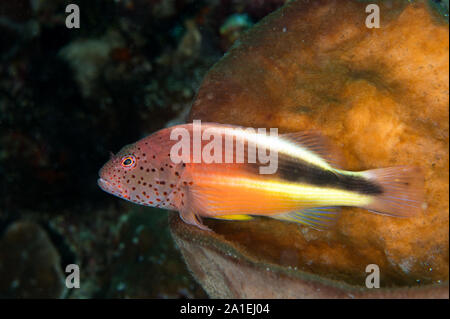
[118, 174]
[141, 173]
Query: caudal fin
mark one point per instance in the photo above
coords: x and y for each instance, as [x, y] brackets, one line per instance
[402, 191]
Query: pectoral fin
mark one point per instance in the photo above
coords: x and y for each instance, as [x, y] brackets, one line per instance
[192, 219]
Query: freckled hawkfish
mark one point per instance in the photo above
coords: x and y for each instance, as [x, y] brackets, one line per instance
[306, 188]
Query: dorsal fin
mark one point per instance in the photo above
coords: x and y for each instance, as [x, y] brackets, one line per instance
[316, 143]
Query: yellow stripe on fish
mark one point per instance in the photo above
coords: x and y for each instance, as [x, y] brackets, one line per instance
[269, 197]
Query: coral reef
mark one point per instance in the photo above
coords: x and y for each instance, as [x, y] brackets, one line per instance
[227, 269]
[70, 96]
[144, 259]
[381, 95]
[29, 263]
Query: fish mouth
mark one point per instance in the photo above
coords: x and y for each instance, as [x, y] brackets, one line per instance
[108, 187]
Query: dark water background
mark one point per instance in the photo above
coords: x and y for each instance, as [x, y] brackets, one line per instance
[70, 96]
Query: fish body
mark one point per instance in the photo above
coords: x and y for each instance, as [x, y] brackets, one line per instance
[306, 187]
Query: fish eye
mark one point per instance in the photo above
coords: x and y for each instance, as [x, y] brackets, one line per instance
[128, 161]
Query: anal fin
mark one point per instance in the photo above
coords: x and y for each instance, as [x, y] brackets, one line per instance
[318, 217]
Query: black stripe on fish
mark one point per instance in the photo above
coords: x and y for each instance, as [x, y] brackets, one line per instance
[313, 175]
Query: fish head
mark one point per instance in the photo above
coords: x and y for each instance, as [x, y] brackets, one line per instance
[144, 172]
[123, 174]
